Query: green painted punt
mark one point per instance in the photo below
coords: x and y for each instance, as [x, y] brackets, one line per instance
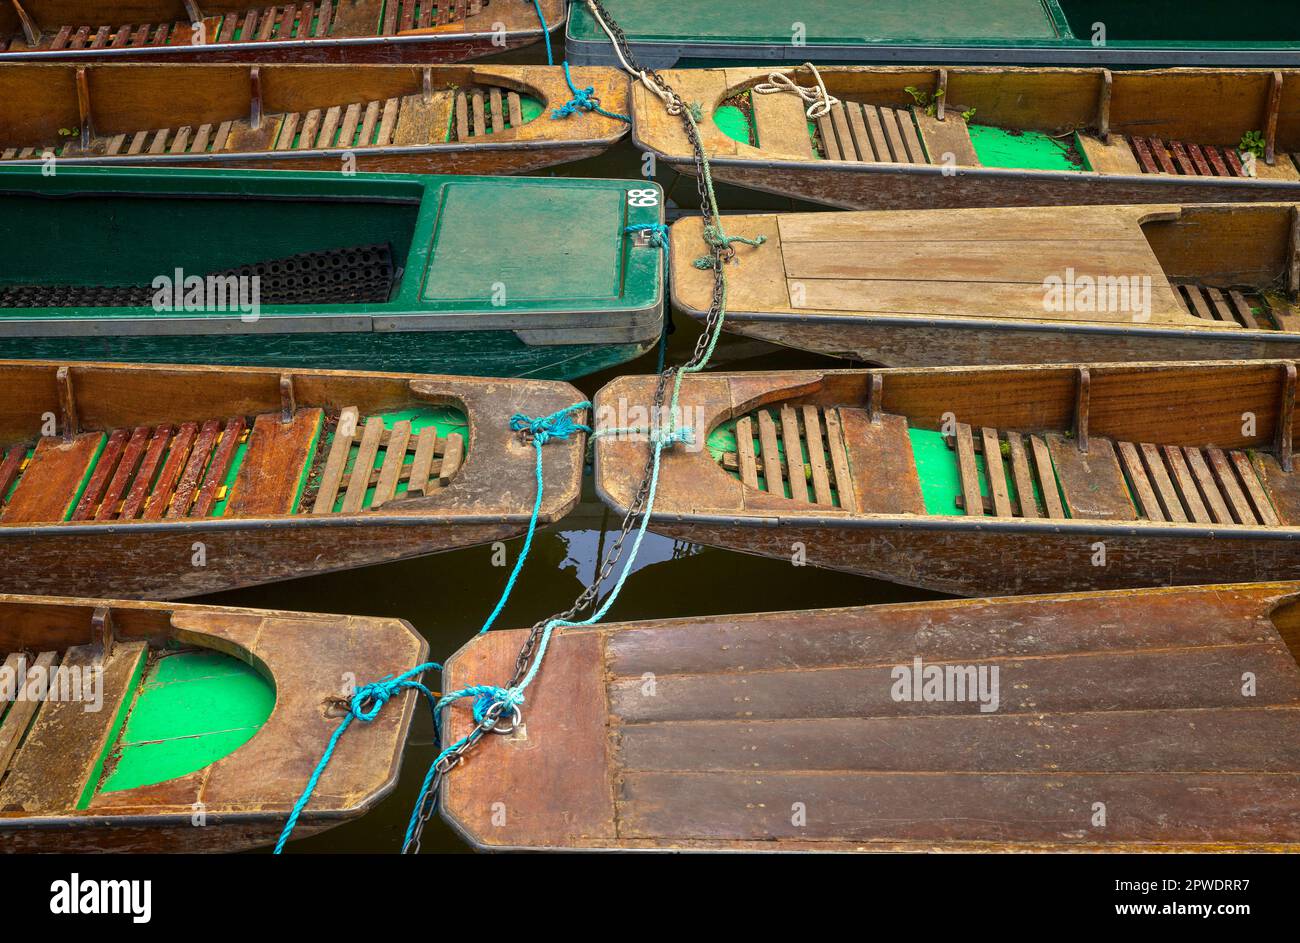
[489, 276]
[727, 31]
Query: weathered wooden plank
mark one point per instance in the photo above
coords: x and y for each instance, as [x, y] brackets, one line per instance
[1165, 490]
[817, 456]
[144, 478]
[219, 468]
[452, 457]
[1047, 478]
[844, 487]
[188, 485]
[996, 472]
[883, 475]
[9, 468]
[65, 743]
[1137, 475]
[1259, 501]
[178, 453]
[1186, 484]
[1091, 482]
[278, 452]
[1227, 479]
[794, 463]
[335, 462]
[773, 477]
[1208, 487]
[968, 472]
[425, 446]
[355, 495]
[781, 125]
[391, 469]
[125, 474]
[105, 466]
[1022, 476]
[48, 489]
[19, 714]
[747, 457]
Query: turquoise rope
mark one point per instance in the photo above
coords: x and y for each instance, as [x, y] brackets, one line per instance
[558, 425]
[546, 31]
[584, 99]
[658, 236]
[365, 706]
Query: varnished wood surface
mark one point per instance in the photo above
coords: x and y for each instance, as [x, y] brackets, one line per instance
[781, 731]
[1194, 411]
[246, 794]
[488, 496]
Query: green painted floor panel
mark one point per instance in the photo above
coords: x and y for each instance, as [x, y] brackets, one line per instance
[1025, 150]
[193, 708]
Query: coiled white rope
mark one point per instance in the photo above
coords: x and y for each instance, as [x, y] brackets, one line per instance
[821, 100]
[646, 80]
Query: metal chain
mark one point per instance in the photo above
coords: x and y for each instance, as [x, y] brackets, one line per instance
[721, 254]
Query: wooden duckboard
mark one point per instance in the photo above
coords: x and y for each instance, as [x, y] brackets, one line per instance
[976, 263]
[779, 731]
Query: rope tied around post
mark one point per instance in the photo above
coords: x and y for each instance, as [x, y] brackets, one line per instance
[820, 99]
[584, 99]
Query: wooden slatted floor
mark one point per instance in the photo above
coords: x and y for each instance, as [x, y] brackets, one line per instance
[1156, 156]
[401, 15]
[1246, 308]
[483, 109]
[809, 463]
[266, 24]
[870, 133]
[184, 471]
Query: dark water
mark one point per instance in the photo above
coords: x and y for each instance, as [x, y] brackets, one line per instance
[447, 597]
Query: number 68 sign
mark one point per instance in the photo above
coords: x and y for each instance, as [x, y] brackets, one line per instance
[646, 197]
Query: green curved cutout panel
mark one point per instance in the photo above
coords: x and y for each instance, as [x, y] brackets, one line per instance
[193, 707]
[734, 123]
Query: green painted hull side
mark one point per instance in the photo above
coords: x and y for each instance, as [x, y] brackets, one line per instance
[464, 353]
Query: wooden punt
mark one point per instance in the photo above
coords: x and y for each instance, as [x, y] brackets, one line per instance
[1161, 720]
[982, 481]
[255, 31]
[168, 481]
[1012, 286]
[974, 137]
[329, 270]
[403, 119]
[136, 726]
[697, 33]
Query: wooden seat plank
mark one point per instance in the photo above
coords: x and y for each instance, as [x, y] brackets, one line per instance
[124, 475]
[968, 473]
[178, 454]
[835, 444]
[278, 452]
[1254, 490]
[1131, 460]
[355, 495]
[336, 461]
[9, 468]
[1185, 483]
[1091, 482]
[144, 477]
[1023, 476]
[66, 742]
[794, 463]
[782, 125]
[745, 454]
[1170, 501]
[773, 478]
[996, 472]
[188, 485]
[1207, 486]
[426, 445]
[19, 715]
[882, 472]
[817, 457]
[391, 470]
[1047, 478]
[452, 456]
[49, 488]
[1227, 478]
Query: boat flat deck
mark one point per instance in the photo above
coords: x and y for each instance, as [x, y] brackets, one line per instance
[972, 263]
[1121, 722]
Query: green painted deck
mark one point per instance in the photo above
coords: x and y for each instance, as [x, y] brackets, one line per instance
[1026, 150]
[192, 708]
[556, 260]
[827, 21]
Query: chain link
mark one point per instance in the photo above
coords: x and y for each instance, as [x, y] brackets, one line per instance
[721, 255]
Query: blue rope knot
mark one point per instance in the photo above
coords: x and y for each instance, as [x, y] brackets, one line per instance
[670, 437]
[657, 233]
[584, 99]
[376, 694]
[488, 694]
[557, 425]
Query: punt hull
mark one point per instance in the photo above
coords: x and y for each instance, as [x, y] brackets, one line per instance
[988, 560]
[885, 187]
[141, 562]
